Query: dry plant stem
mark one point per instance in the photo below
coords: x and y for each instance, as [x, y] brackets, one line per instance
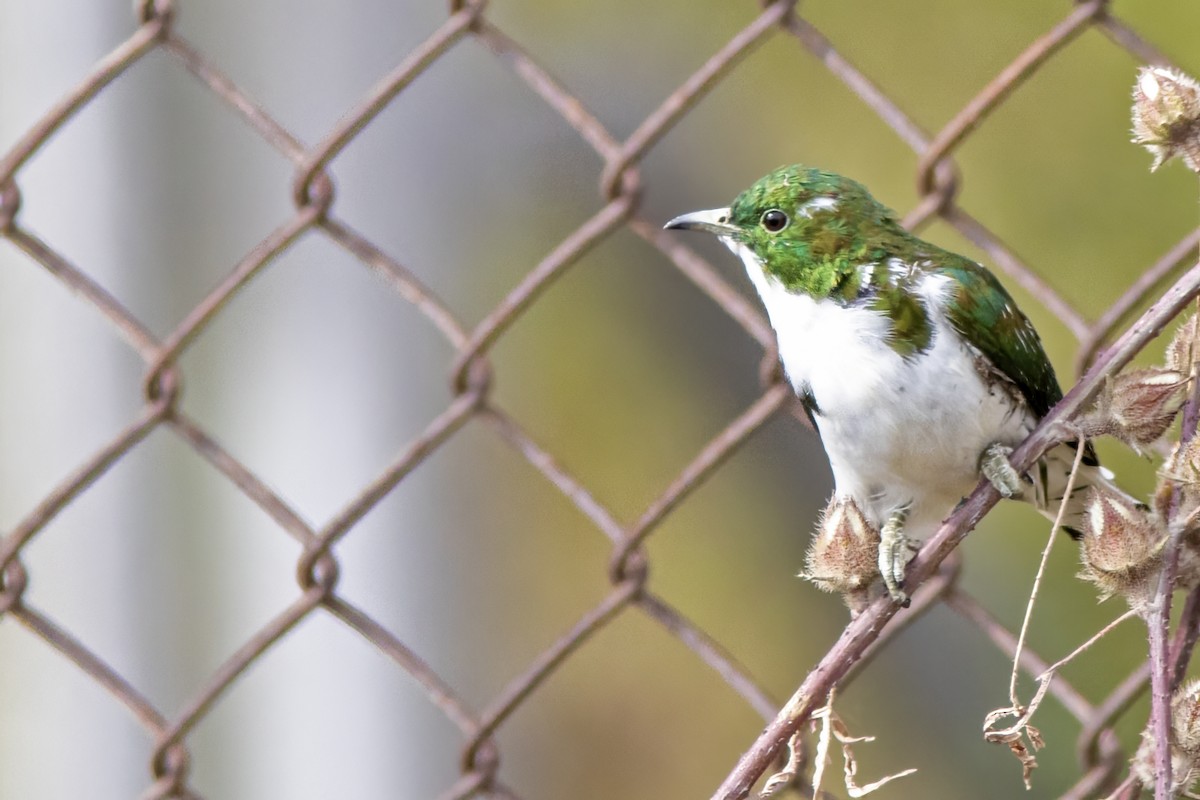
[1015, 735]
[1033, 664]
[863, 630]
[1190, 416]
[1162, 671]
[1044, 680]
[938, 588]
[1158, 620]
[1097, 636]
[821, 758]
[1185, 637]
[1041, 571]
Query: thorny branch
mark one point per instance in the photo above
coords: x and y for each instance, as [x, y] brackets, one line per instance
[1166, 121]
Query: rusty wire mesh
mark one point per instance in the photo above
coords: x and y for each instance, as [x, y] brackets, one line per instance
[620, 188]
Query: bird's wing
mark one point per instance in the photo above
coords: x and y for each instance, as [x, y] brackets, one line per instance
[985, 315]
[983, 312]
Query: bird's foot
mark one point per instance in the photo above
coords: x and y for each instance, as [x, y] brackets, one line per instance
[894, 552]
[995, 466]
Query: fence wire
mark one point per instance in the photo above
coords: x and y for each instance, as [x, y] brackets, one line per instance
[620, 184]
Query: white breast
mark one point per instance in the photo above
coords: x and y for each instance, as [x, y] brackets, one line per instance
[897, 432]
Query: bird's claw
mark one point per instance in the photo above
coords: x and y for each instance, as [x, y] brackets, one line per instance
[995, 466]
[894, 553]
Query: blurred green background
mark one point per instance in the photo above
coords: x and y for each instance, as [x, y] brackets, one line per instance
[318, 375]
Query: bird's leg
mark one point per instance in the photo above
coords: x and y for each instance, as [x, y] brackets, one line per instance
[894, 552]
[996, 468]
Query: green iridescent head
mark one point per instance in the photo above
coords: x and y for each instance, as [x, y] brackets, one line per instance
[809, 228]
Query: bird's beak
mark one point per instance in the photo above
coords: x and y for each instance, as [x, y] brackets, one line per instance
[715, 220]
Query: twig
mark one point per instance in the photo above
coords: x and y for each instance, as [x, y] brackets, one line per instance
[1013, 733]
[1163, 671]
[1185, 637]
[1041, 570]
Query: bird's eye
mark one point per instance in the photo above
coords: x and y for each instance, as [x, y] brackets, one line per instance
[774, 221]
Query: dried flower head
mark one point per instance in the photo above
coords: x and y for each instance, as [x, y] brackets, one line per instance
[1184, 349]
[1178, 499]
[844, 554]
[1166, 115]
[1138, 406]
[1178, 494]
[1185, 718]
[1185, 746]
[1122, 546]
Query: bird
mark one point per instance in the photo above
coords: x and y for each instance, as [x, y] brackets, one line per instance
[914, 365]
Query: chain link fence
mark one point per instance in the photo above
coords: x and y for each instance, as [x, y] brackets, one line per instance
[620, 181]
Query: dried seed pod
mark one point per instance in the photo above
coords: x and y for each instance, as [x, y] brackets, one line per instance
[1138, 406]
[1122, 546]
[1178, 499]
[1187, 568]
[844, 556]
[1185, 719]
[1184, 349]
[1179, 485]
[1185, 746]
[1166, 115]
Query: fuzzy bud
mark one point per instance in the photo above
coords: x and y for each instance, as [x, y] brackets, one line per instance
[1184, 349]
[1178, 499]
[1122, 544]
[1178, 495]
[1166, 115]
[1138, 406]
[1185, 744]
[1185, 719]
[844, 554]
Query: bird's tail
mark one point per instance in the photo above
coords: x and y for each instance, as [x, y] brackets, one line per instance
[1051, 475]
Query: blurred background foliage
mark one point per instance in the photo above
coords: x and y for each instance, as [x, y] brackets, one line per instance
[317, 376]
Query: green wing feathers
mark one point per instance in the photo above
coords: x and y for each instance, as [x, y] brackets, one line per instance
[983, 312]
